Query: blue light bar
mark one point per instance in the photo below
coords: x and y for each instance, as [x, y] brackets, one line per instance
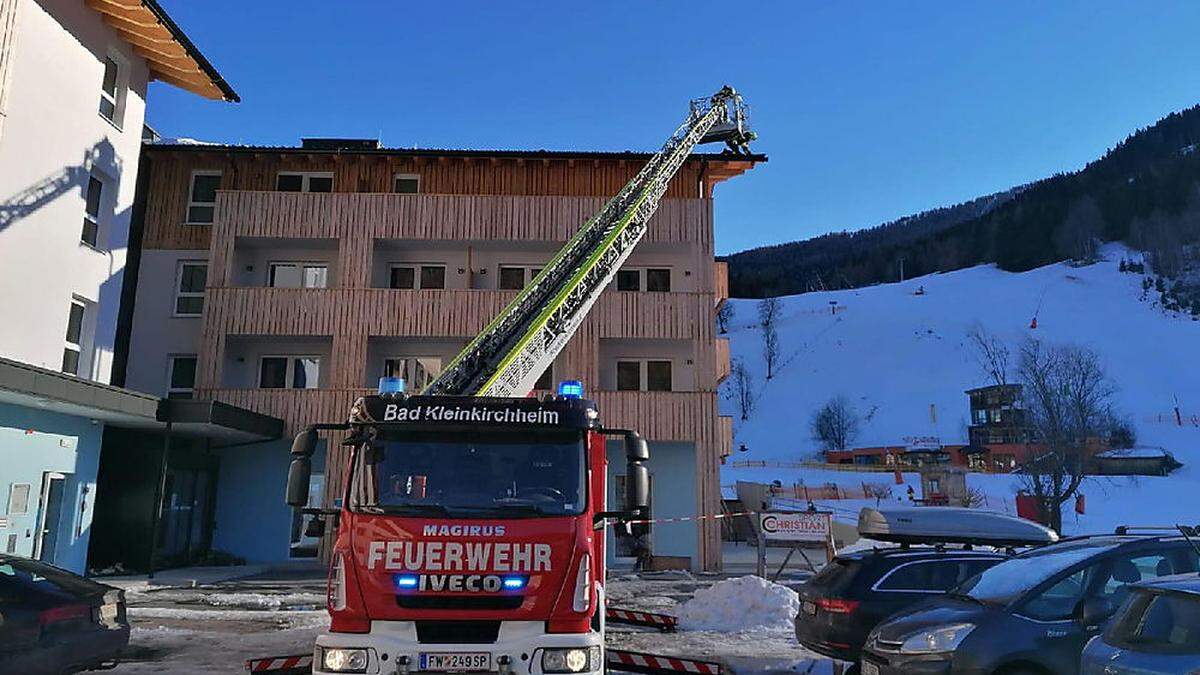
[513, 583]
[391, 385]
[570, 389]
[407, 581]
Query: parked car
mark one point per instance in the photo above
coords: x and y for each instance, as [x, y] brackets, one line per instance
[849, 596]
[55, 621]
[1032, 613]
[1156, 632]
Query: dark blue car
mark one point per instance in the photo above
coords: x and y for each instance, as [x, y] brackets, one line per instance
[1156, 632]
[1029, 615]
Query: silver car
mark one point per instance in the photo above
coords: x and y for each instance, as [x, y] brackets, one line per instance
[1157, 630]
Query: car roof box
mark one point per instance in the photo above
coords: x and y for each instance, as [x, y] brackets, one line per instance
[951, 525]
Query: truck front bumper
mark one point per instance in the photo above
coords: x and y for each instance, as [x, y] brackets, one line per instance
[392, 647]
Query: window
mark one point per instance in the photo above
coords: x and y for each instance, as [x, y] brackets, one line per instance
[629, 280]
[289, 372]
[202, 197]
[658, 375]
[654, 279]
[304, 182]
[406, 184]
[979, 416]
[189, 289]
[407, 276]
[629, 375]
[112, 92]
[994, 415]
[18, 499]
[298, 275]
[932, 576]
[654, 375]
[1057, 603]
[1159, 623]
[515, 277]
[418, 371]
[658, 280]
[91, 211]
[1130, 570]
[181, 378]
[74, 341]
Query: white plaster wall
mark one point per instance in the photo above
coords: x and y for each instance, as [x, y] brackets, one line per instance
[243, 355]
[678, 352]
[157, 332]
[52, 139]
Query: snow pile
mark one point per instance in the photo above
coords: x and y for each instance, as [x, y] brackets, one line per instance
[265, 600]
[739, 604]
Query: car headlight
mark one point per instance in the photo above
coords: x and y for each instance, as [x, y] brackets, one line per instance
[571, 660]
[344, 660]
[937, 640]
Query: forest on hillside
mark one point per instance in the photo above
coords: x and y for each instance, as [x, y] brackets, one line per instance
[1144, 192]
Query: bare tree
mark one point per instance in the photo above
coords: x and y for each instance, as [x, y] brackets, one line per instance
[991, 353]
[835, 425]
[724, 317]
[743, 388]
[768, 319]
[1068, 403]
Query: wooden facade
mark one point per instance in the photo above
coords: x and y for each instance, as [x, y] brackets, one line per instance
[462, 200]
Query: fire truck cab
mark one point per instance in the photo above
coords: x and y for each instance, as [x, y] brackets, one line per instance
[469, 534]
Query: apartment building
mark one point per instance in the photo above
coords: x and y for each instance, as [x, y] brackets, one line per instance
[73, 81]
[286, 281]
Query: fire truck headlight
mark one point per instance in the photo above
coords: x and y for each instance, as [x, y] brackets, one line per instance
[574, 660]
[344, 660]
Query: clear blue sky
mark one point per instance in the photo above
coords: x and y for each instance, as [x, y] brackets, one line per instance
[868, 111]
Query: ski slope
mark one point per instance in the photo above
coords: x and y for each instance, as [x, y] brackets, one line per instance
[904, 361]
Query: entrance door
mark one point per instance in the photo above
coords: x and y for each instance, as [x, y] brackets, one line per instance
[50, 510]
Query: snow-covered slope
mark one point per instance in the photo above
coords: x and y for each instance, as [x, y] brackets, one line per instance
[903, 359]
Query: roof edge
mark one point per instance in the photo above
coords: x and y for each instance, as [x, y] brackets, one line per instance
[447, 152]
[192, 50]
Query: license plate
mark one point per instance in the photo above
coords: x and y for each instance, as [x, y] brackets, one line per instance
[108, 612]
[869, 668]
[809, 608]
[456, 662]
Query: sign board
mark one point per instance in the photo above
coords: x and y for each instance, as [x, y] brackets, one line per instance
[796, 527]
[920, 443]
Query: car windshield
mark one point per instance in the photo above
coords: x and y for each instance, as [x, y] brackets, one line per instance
[472, 475]
[1012, 578]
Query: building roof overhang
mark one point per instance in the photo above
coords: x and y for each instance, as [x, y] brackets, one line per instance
[40, 389]
[172, 57]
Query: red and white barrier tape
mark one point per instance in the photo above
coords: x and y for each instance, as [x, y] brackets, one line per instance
[638, 662]
[664, 622]
[278, 663]
[683, 519]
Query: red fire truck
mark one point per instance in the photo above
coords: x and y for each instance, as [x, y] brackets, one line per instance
[471, 524]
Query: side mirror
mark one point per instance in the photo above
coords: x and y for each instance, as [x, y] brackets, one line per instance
[1093, 612]
[299, 473]
[637, 478]
[305, 443]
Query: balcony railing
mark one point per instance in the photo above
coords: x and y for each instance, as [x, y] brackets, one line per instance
[440, 313]
[440, 217]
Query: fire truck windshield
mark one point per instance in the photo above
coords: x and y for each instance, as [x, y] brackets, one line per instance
[472, 475]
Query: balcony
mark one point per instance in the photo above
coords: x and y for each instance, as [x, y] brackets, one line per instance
[439, 217]
[444, 313]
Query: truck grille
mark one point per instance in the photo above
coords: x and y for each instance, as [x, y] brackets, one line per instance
[461, 602]
[458, 632]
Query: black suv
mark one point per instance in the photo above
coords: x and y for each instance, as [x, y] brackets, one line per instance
[850, 595]
[1032, 613]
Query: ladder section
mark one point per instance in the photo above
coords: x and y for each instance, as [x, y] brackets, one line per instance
[510, 354]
